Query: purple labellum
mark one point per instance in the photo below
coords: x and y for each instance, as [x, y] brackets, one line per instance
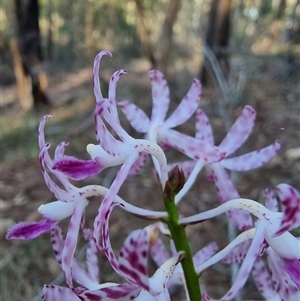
[77, 169]
[27, 231]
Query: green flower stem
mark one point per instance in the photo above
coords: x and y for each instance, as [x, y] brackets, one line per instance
[181, 242]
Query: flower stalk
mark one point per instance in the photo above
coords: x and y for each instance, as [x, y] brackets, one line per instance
[178, 234]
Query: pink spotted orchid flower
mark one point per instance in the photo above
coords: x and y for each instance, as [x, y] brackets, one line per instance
[89, 288]
[161, 100]
[71, 201]
[131, 265]
[132, 262]
[115, 147]
[271, 233]
[237, 135]
[160, 130]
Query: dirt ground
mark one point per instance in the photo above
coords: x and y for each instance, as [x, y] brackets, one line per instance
[272, 88]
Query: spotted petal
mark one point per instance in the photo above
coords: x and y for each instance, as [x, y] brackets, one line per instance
[238, 254]
[92, 260]
[226, 192]
[138, 164]
[246, 266]
[71, 241]
[158, 252]
[239, 132]
[96, 81]
[133, 259]
[136, 117]
[109, 198]
[290, 200]
[270, 200]
[78, 273]
[203, 128]
[106, 292]
[283, 284]
[112, 93]
[205, 253]
[292, 267]
[253, 159]
[158, 282]
[54, 293]
[263, 281]
[41, 139]
[187, 106]
[191, 147]
[112, 292]
[160, 97]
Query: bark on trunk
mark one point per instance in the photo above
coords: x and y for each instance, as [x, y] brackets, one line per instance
[276, 26]
[145, 33]
[30, 74]
[217, 39]
[166, 39]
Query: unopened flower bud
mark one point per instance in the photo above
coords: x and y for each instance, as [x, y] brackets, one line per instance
[174, 183]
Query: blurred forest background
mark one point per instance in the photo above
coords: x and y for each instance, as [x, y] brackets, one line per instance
[244, 52]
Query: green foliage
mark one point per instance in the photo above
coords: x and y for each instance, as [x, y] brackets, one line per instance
[265, 8]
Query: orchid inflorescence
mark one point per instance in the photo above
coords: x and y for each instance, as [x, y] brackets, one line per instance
[265, 247]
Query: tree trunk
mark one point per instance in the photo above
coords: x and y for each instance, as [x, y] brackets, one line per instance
[280, 10]
[31, 77]
[49, 38]
[166, 39]
[23, 81]
[89, 41]
[217, 39]
[292, 34]
[276, 26]
[145, 33]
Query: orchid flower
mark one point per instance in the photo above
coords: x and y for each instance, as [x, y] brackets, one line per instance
[161, 101]
[159, 129]
[71, 200]
[111, 151]
[237, 135]
[105, 292]
[285, 271]
[234, 139]
[89, 288]
[133, 259]
[131, 265]
[271, 227]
